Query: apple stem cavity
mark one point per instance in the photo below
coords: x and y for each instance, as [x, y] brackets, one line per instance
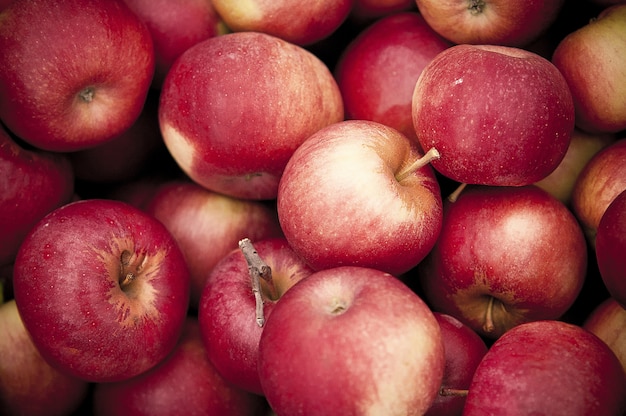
[456, 193]
[258, 270]
[130, 267]
[431, 155]
[448, 392]
[489, 326]
[87, 94]
[476, 7]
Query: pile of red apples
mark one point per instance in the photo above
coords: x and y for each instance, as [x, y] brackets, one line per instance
[336, 207]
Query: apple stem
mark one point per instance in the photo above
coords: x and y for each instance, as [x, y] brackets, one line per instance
[444, 391]
[489, 326]
[431, 155]
[258, 270]
[455, 194]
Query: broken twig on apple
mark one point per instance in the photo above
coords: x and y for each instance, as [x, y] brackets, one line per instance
[258, 270]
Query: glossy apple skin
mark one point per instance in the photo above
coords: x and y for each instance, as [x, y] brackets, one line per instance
[28, 384]
[184, 383]
[507, 122]
[517, 245]
[584, 375]
[175, 26]
[600, 181]
[354, 340]
[496, 22]
[611, 246]
[47, 61]
[208, 225]
[32, 183]
[598, 90]
[608, 322]
[387, 57]
[313, 21]
[464, 349]
[68, 287]
[227, 309]
[340, 203]
[255, 98]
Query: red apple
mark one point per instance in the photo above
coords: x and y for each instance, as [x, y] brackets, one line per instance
[351, 340]
[28, 384]
[505, 256]
[600, 181]
[235, 107]
[497, 115]
[593, 60]
[611, 247]
[73, 73]
[302, 23]
[185, 383]
[32, 183]
[102, 288]
[490, 22]
[371, 10]
[549, 368]
[464, 349]
[360, 193]
[608, 322]
[175, 26]
[228, 308]
[208, 225]
[377, 71]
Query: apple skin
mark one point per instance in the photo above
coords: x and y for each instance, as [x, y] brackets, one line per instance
[175, 26]
[313, 21]
[517, 247]
[208, 225]
[508, 121]
[255, 98]
[28, 384]
[354, 340]
[32, 183]
[598, 90]
[464, 349]
[69, 282]
[184, 383]
[490, 22]
[611, 246]
[340, 202]
[57, 99]
[371, 10]
[600, 181]
[548, 367]
[388, 57]
[227, 309]
[608, 322]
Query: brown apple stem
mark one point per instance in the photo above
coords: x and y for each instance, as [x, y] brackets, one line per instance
[444, 391]
[431, 155]
[455, 194]
[489, 326]
[258, 270]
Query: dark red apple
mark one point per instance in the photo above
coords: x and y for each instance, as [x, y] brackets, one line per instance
[608, 321]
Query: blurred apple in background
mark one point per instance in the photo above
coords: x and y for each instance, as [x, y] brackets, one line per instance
[608, 322]
[611, 248]
[549, 368]
[227, 311]
[235, 107]
[377, 71]
[490, 22]
[102, 288]
[32, 183]
[351, 340]
[185, 383]
[593, 60]
[497, 115]
[360, 193]
[297, 22]
[371, 10]
[600, 181]
[29, 386]
[464, 349]
[175, 26]
[208, 225]
[505, 256]
[73, 73]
